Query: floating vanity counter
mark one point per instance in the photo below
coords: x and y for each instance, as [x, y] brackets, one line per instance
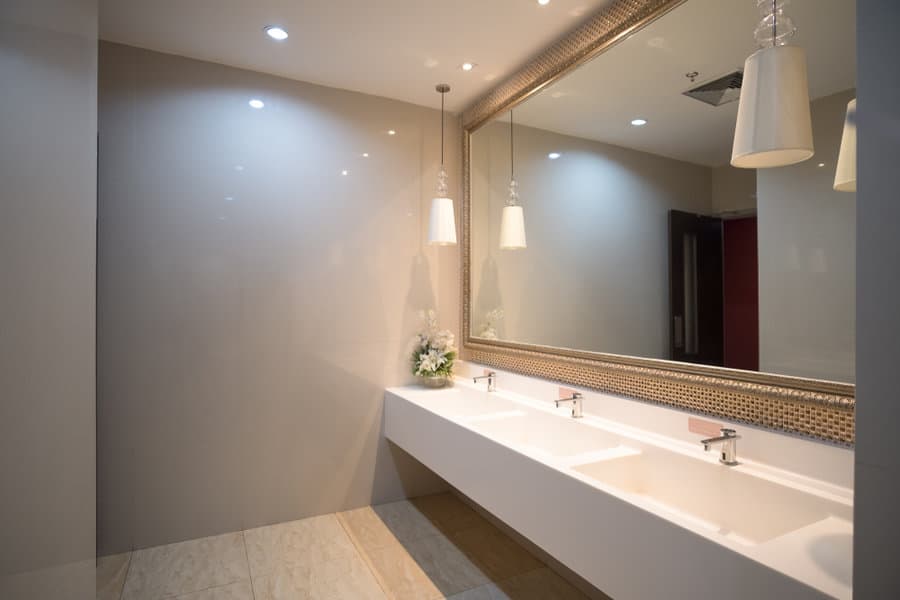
[639, 515]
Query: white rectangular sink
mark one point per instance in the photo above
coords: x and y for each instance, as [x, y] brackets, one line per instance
[610, 501]
[463, 402]
[743, 507]
[541, 433]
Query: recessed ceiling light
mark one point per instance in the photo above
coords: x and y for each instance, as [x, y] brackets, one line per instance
[543, 2]
[391, 132]
[553, 155]
[256, 103]
[467, 66]
[276, 33]
[365, 155]
[821, 165]
[345, 172]
[639, 122]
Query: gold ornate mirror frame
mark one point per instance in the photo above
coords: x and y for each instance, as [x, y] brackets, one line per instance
[819, 409]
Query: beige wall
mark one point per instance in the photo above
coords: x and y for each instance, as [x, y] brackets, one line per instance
[595, 273]
[254, 302]
[807, 259]
[733, 190]
[48, 160]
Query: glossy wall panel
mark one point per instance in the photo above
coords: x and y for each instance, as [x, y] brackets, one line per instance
[254, 299]
[48, 141]
[876, 542]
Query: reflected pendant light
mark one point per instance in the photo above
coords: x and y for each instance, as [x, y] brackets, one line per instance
[442, 222]
[845, 174]
[512, 221]
[774, 128]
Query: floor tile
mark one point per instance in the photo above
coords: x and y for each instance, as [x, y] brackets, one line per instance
[341, 579]
[235, 591]
[186, 567]
[374, 527]
[427, 568]
[485, 592]
[540, 584]
[498, 556]
[447, 512]
[297, 544]
[111, 571]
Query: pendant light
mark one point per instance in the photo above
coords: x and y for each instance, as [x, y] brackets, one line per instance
[442, 222]
[774, 127]
[512, 221]
[845, 174]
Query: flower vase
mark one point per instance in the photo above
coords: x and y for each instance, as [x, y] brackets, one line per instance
[435, 381]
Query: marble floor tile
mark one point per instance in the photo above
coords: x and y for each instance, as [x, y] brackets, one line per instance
[342, 579]
[241, 590]
[498, 556]
[111, 571]
[424, 569]
[186, 567]
[447, 512]
[295, 544]
[373, 527]
[540, 584]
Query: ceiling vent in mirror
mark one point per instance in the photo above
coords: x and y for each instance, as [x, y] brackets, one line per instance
[719, 91]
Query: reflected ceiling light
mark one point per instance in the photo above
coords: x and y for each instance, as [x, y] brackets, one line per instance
[773, 128]
[553, 155]
[442, 222]
[845, 173]
[467, 66]
[276, 33]
[256, 103]
[391, 132]
[512, 220]
[820, 165]
[543, 2]
[639, 122]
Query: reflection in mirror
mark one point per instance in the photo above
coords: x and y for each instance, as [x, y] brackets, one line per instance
[642, 239]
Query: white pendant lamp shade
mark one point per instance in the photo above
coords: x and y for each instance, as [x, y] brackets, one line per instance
[774, 128]
[442, 223]
[845, 175]
[512, 228]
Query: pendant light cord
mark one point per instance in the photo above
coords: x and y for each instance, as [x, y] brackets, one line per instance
[774, 22]
[442, 128]
[512, 161]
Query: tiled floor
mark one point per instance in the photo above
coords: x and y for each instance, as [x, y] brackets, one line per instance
[428, 548]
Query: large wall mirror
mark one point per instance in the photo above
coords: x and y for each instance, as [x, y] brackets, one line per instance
[642, 244]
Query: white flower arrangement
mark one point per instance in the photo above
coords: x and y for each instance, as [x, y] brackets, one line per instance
[433, 350]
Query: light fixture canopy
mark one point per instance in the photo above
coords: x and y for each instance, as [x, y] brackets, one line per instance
[442, 220]
[845, 173]
[512, 219]
[774, 127]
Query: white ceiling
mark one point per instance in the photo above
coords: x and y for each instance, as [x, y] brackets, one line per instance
[644, 76]
[393, 48]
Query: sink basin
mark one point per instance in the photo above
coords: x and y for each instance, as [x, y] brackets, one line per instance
[464, 402]
[546, 434]
[748, 509]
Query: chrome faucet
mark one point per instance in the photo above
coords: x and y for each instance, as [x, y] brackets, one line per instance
[728, 439]
[575, 399]
[492, 380]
